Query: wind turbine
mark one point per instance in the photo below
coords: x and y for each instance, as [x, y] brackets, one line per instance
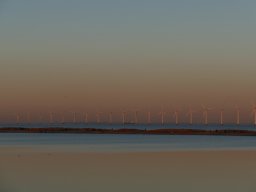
[17, 118]
[205, 114]
[254, 114]
[162, 113]
[237, 115]
[149, 117]
[28, 117]
[62, 118]
[136, 116]
[82, 120]
[221, 117]
[74, 117]
[190, 113]
[176, 115]
[85, 117]
[124, 116]
[98, 116]
[40, 118]
[111, 117]
[51, 117]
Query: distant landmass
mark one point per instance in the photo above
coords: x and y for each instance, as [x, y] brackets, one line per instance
[170, 131]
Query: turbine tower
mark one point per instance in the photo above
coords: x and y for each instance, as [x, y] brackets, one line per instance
[83, 117]
[254, 114]
[162, 113]
[98, 116]
[221, 117]
[51, 117]
[74, 117]
[149, 117]
[17, 118]
[205, 114]
[28, 117]
[86, 117]
[237, 115]
[190, 113]
[176, 115]
[62, 118]
[136, 116]
[40, 118]
[124, 117]
[111, 118]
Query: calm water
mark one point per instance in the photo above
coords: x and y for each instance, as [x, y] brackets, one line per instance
[90, 142]
[109, 143]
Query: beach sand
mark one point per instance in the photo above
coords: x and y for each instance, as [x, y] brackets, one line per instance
[24, 169]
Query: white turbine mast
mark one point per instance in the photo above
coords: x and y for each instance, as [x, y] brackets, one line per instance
[149, 117]
[124, 116]
[237, 115]
[74, 117]
[51, 117]
[40, 118]
[221, 117]
[17, 118]
[205, 114]
[190, 113]
[254, 114]
[176, 115]
[62, 118]
[82, 117]
[136, 116]
[162, 114]
[111, 117]
[98, 116]
[86, 117]
[28, 117]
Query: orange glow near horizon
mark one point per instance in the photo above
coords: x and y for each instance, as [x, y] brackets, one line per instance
[100, 57]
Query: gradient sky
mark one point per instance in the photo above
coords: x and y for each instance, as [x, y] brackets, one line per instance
[92, 55]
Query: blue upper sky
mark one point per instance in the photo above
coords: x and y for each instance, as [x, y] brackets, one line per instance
[101, 22]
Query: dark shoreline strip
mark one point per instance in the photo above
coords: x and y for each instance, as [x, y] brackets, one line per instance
[130, 131]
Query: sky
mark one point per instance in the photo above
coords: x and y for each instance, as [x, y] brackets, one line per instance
[98, 55]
